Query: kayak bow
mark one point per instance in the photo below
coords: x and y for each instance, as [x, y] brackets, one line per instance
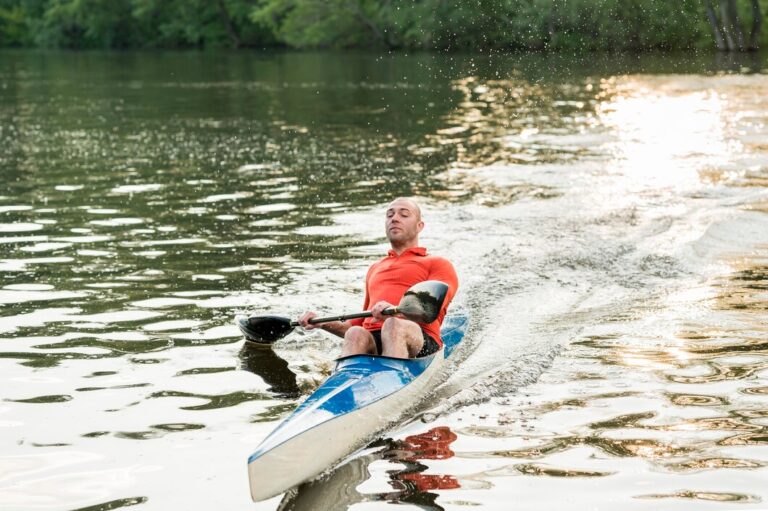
[362, 397]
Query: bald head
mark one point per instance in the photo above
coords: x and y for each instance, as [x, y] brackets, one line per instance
[404, 202]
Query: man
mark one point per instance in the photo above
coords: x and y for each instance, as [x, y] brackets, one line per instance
[387, 280]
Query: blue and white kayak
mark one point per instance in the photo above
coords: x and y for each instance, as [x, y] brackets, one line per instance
[364, 395]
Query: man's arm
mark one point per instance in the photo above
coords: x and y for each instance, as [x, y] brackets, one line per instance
[336, 327]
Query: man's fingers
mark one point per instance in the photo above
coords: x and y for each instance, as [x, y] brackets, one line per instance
[304, 320]
[378, 309]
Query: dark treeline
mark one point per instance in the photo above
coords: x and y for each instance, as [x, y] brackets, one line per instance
[731, 25]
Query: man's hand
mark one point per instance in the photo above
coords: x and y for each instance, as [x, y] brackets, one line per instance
[378, 308]
[304, 321]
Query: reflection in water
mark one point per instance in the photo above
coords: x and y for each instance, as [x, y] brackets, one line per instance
[712, 463]
[614, 447]
[657, 131]
[738, 62]
[544, 470]
[495, 127]
[43, 399]
[339, 489]
[212, 401]
[157, 431]
[705, 495]
[262, 361]
[114, 504]
[746, 289]
[434, 444]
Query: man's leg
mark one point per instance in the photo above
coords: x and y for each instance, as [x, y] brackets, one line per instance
[358, 341]
[401, 338]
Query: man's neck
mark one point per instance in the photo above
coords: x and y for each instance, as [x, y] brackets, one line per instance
[400, 248]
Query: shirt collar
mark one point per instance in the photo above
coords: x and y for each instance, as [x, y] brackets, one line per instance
[417, 251]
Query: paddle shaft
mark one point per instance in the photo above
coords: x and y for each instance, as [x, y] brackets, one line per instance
[420, 303]
[387, 312]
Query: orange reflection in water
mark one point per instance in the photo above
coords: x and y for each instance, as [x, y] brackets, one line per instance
[426, 482]
[434, 444]
[431, 445]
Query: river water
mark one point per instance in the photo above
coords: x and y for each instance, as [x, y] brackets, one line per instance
[607, 215]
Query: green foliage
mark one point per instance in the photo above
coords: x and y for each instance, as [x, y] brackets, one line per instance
[407, 24]
[199, 23]
[86, 24]
[130, 24]
[180, 23]
[487, 24]
[627, 24]
[312, 23]
[13, 25]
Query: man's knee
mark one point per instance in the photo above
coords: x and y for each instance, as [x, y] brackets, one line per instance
[358, 338]
[398, 327]
[400, 337]
[356, 332]
[400, 330]
[393, 325]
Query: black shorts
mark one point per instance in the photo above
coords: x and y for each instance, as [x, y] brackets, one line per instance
[430, 345]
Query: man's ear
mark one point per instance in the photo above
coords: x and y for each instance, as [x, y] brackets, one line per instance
[420, 225]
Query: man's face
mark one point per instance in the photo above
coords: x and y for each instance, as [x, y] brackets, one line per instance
[403, 221]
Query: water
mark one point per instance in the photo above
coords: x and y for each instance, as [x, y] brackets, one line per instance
[607, 216]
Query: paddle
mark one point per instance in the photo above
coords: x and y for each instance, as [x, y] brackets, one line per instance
[421, 303]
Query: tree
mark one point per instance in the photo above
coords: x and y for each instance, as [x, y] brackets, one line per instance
[727, 28]
[13, 25]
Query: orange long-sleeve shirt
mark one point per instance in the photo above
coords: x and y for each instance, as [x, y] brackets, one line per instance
[391, 277]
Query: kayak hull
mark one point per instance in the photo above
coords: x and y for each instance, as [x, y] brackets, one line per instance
[363, 396]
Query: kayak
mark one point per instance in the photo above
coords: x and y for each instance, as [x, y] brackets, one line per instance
[364, 395]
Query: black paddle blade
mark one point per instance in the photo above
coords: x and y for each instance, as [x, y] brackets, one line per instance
[264, 329]
[422, 302]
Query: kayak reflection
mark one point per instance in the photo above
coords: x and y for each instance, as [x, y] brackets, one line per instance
[339, 489]
[264, 362]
